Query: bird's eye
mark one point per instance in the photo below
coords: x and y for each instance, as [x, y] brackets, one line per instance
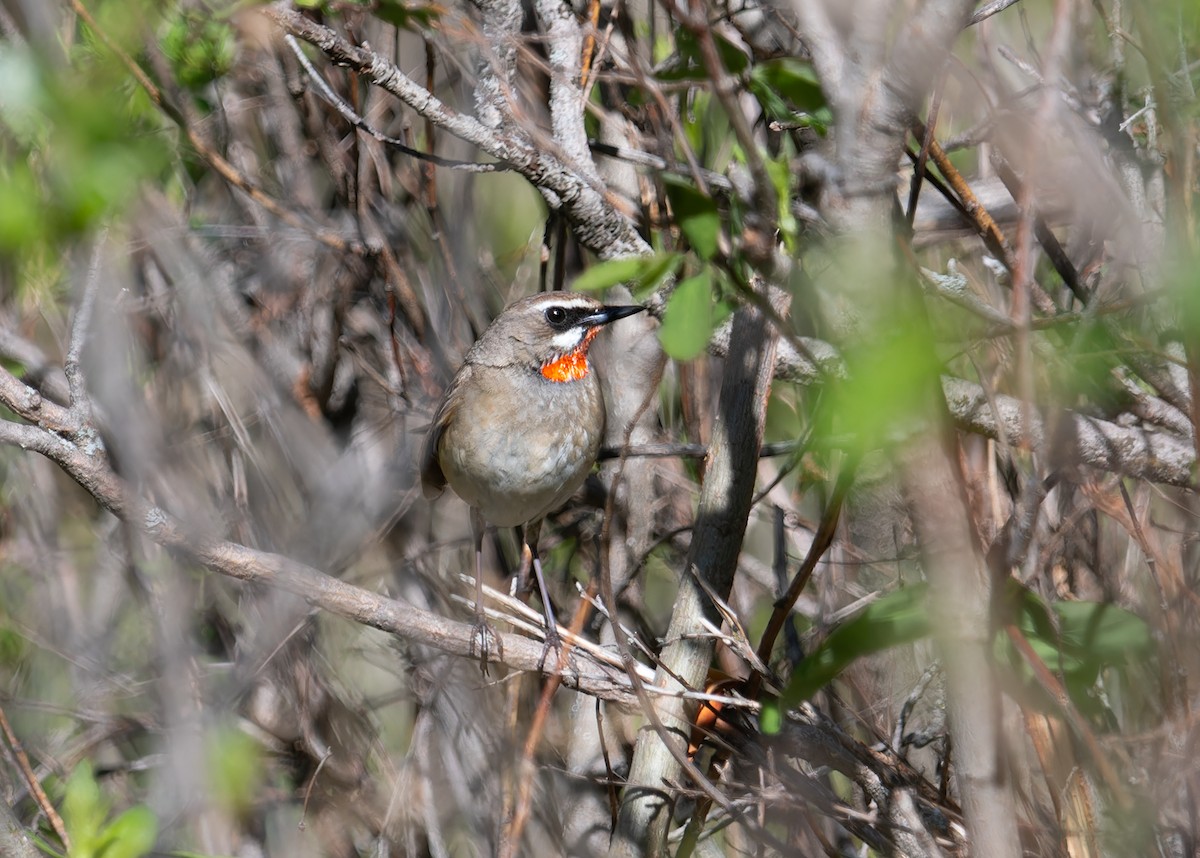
[556, 316]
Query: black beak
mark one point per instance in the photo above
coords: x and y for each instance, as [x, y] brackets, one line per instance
[610, 314]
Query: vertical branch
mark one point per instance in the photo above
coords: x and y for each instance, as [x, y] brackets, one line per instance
[564, 44]
[496, 63]
[79, 332]
[961, 606]
[874, 100]
[721, 517]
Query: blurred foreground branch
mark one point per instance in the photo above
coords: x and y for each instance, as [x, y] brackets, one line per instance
[90, 468]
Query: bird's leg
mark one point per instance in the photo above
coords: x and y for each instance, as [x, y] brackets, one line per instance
[522, 585]
[482, 634]
[530, 534]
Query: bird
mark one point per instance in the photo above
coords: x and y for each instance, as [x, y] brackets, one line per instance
[519, 429]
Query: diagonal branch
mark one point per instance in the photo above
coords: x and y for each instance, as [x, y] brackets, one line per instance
[598, 225]
[91, 470]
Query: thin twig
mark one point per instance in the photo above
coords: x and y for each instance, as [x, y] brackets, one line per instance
[512, 837]
[348, 113]
[985, 12]
[82, 323]
[35, 786]
[223, 167]
[821, 541]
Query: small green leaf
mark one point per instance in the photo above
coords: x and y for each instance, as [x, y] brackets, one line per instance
[200, 48]
[406, 16]
[235, 768]
[645, 271]
[1104, 632]
[658, 268]
[732, 57]
[83, 809]
[780, 173]
[899, 617]
[789, 91]
[1082, 638]
[697, 215]
[130, 835]
[790, 79]
[690, 63]
[890, 375]
[609, 273]
[688, 319]
[770, 719]
[21, 219]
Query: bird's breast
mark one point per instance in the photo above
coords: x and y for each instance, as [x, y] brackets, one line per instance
[517, 451]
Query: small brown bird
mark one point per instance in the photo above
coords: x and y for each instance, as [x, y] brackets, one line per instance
[520, 426]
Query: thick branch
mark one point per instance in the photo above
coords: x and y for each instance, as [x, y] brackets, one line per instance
[497, 64]
[1130, 451]
[721, 517]
[564, 45]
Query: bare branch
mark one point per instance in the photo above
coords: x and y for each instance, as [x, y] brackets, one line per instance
[721, 518]
[358, 122]
[597, 224]
[80, 328]
[564, 44]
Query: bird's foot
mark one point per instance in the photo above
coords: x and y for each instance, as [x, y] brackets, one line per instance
[483, 639]
[562, 660]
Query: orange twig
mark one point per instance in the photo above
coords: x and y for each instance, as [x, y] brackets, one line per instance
[31, 780]
[512, 837]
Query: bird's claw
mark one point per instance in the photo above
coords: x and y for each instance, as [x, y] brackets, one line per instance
[482, 638]
[554, 642]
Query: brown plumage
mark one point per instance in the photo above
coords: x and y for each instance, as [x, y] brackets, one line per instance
[519, 428]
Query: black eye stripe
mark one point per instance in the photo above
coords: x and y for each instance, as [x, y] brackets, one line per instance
[561, 318]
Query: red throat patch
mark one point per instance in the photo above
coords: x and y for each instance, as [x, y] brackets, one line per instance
[573, 366]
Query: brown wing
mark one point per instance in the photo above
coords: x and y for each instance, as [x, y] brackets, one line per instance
[432, 478]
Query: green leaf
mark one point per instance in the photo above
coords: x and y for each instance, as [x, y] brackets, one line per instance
[770, 719]
[609, 273]
[789, 91]
[791, 79]
[688, 319]
[406, 16]
[1082, 638]
[897, 618]
[645, 271]
[658, 268]
[1104, 633]
[83, 811]
[697, 215]
[21, 220]
[780, 173]
[890, 375]
[690, 64]
[130, 835]
[200, 48]
[1074, 639]
[235, 769]
[732, 57]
